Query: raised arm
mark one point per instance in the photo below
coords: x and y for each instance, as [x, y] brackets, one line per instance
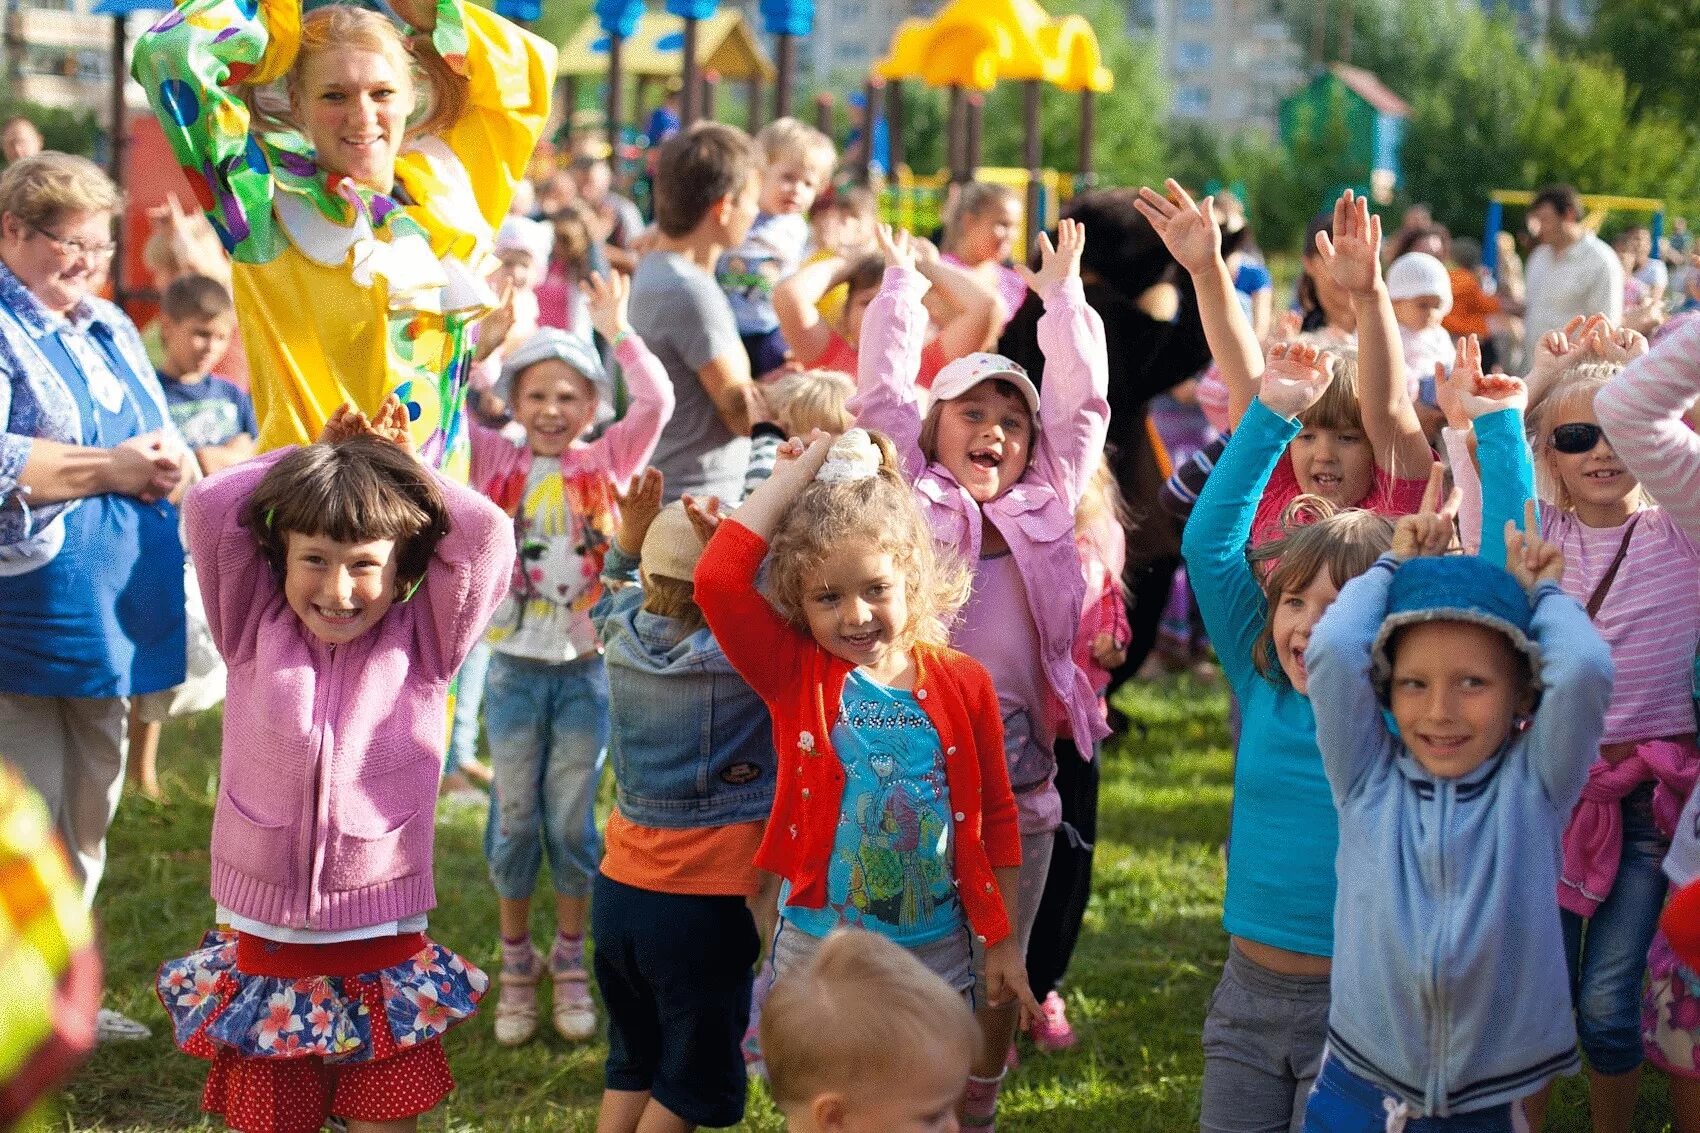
[1194, 239]
[1074, 416]
[796, 304]
[894, 330]
[467, 578]
[235, 577]
[1349, 728]
[1353, 257]
[1494, 405]
[975, 312]
[626, 446]
[1642, 412]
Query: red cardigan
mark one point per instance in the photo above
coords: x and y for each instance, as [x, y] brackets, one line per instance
[803, 686]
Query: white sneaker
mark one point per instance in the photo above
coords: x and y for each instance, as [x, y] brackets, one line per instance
[112, 1027]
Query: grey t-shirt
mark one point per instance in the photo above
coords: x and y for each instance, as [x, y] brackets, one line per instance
[684, 318]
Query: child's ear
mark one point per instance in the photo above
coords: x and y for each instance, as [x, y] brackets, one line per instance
[830, 1111]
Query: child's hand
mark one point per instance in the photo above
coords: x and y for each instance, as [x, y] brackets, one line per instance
[1189, 230]
[1006, 979]
[391, 423]
[1353, 255]
[1531, 559]
[926, 252]
[1553, 352]
[345, 422]
[798, 460]
[896, 246]
[639, 505]
[1106, 654]
[607, 297]
[1473, 392]
[1613, 344]
[1058, 263]
[1296, 377]
[495, 327]
[704, 515]
[1288, 326]
[1431, 530]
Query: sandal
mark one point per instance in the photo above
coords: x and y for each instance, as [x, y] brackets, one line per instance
[516, 1003]
[574, 1011]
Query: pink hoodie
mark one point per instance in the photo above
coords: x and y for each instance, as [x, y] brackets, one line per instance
[331, 755]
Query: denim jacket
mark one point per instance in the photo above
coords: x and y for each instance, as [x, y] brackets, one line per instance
[692, 744]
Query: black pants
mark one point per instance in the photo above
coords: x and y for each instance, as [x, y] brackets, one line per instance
[1147, 594]
[1069, 885]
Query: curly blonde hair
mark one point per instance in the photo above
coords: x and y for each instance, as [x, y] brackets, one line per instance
[879, 513]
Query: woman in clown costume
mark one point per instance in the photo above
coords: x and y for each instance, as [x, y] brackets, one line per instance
[354, 163]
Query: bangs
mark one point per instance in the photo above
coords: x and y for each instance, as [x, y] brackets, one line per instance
[1338, 407]
[1342, 543]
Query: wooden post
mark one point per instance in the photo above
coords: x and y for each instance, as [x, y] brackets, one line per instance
[569, 105]
[616, 89]
[823, 113]
[976, 127]
[785, 47]
[710, 84]
[755, 103]
[690, 95]
[1030, 155]
[955, 130]
[1085, 162]
[894, 123]
[870, 112]
[120, 127]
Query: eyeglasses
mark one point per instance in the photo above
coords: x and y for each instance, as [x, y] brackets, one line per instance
[77, 247]
[1577, 438]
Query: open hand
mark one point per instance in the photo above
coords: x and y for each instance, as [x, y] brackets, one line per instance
[1431, 530]
[392, 423]
[1189, 230]
[1531, 559]
[704, 514]
[345, 422]
[1056, 263]
[1295, 378]
[1353, 254]
[1475, 393]
[896, 246]
[608, 296]
[640, 503]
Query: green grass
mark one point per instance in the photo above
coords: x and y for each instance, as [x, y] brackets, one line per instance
[1149, 955]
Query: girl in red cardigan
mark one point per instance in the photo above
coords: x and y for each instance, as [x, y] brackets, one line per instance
[893, 810]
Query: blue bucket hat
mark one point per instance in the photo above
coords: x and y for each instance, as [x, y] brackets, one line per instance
[575, 350]
[1454, 588]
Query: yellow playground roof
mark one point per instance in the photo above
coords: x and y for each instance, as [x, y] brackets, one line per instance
[725, 44]
[978, 43]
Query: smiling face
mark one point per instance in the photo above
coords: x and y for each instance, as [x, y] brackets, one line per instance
[984, 438]
[338, 590]
[353, 106]
[1596, 484]
[1456, 689]
[856, 606]
[1336, 464]
[46, 262]
[555, 404]
[1296, 612]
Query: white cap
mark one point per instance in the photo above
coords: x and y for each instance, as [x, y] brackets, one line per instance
[522, 234]
[1416, 274]
[576, 351]
[962, 375]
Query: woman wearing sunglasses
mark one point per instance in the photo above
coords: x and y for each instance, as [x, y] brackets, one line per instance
[1637, 572]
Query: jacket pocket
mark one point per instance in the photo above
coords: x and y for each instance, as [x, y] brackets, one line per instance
[356, 859]
[253, 846]
[1046, 523]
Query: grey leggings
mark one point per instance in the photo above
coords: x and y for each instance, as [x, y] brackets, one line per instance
[1263, 1040]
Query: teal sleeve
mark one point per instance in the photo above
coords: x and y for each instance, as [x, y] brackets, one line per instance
[1508, 477]
[1214, 544]
[1350, 731]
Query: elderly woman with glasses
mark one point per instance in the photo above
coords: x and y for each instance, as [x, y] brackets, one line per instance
[91, 569]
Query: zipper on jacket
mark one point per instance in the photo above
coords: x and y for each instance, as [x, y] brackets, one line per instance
[1436, 1101]
[322, 711]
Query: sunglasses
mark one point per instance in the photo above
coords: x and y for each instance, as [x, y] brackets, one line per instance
[1578, 438]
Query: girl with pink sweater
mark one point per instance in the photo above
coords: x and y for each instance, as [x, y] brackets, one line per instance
[999, 469]
[344, 582]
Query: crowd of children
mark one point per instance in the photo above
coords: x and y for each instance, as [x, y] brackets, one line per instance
[744, 507]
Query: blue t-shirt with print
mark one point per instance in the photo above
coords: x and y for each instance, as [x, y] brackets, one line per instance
[210, 411]
[891, 869]
[748, 273]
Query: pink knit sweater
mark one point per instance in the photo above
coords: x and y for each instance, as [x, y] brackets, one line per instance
[331, 755]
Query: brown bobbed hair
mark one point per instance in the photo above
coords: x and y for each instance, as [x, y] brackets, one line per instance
[1317, 537]
[358, 490]
[696, 170]
[879, 512]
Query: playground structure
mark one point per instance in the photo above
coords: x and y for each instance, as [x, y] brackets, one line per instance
[1597, 205]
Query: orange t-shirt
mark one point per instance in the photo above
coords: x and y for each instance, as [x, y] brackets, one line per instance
[1471, 306]
[704, 861]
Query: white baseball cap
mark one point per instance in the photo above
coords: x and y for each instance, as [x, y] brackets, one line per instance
[968, 371]
[1416, 274]
[522, 234]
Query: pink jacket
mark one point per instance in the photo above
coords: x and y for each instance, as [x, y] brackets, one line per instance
[331, 755]
[1593, 842]
[499, 467]
[1103, 557]
[1036, 515]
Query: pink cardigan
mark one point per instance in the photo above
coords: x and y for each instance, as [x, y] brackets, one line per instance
[1036, 515]
[1593, 842]
[331, 755]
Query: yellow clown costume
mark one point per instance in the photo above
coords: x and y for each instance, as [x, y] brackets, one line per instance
[344, 293]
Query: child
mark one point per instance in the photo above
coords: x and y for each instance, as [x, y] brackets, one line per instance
[1362, 445]
[546, 694]
[965, 311]
[865, 1037]
[980, 237]
[197, 320]
[813, 399]
[999, 471]
[692, 748]
[796, 161]
[1458, 707]
[1264, 1034]
[893, 809]
[343, 582]
[1612, 887]
[705, 201]
[1421, 290]
[841, 227]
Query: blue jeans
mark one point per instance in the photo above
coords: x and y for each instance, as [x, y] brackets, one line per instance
[1342, 1102]
[1607, 952]
[469, 696]
[548, 728]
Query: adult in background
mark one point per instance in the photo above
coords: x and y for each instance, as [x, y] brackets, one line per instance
[19, 139]
[1571, 272]
[91, 568]
[1155, 341]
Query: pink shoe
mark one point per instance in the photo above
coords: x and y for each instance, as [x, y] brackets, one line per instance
[1052, 1032]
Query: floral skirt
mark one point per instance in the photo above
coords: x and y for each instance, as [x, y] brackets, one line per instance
[1670, 1012]
[270, 1007]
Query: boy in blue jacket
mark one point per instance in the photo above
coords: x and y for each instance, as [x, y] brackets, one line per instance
[1458, 707]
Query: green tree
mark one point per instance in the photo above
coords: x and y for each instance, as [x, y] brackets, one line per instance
[67, 131]
[1657, 44]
